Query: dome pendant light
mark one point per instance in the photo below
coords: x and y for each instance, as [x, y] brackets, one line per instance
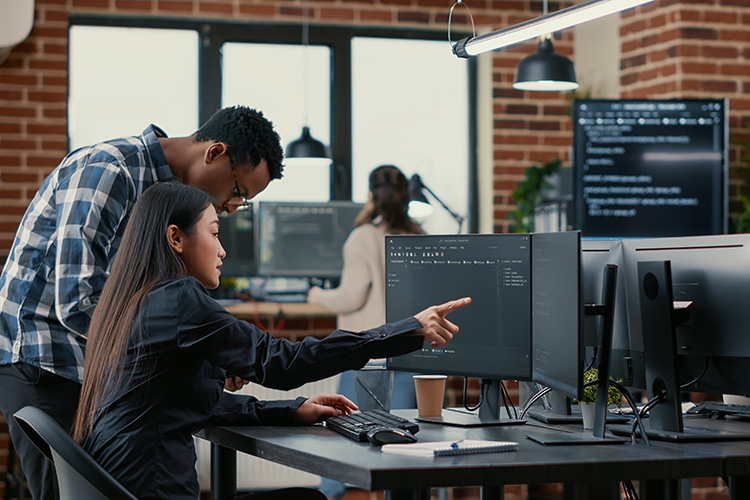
[545, 70]
[306, 148]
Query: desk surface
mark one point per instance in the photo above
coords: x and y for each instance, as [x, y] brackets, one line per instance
[320, 451]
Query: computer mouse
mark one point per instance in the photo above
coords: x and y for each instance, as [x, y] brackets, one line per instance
[388, 435]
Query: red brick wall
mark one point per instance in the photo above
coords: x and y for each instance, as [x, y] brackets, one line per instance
[528, 128]
[692, 49]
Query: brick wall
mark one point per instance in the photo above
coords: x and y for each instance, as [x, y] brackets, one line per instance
[692, 49]
[671, 48]
[528, 128]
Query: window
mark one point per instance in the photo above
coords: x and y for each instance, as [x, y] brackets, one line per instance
[291, 84]
[412, 115]
[374, 96]
[119, 83]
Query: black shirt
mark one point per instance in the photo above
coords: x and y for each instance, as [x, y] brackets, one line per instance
[182, 347]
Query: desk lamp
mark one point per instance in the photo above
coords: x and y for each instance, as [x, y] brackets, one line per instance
[419, 205]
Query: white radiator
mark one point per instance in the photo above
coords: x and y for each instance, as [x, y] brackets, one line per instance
[255, 473]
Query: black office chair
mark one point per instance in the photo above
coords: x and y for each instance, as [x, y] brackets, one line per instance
[78, 475]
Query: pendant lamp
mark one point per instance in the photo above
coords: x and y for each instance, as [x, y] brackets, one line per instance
[306, 147]
[545, 70]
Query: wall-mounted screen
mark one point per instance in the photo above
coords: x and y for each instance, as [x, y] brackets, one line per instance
[650, 168]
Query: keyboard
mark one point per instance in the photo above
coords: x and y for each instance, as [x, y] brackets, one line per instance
[719, 409]
[356, 425]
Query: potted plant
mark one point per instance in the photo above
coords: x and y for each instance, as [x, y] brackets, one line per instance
[614, 397]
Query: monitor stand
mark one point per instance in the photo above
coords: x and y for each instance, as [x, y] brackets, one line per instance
[562, 412]
[489, 412]
[599, 434]
[660, 354]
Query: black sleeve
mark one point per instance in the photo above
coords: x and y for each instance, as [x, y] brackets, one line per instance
[237, 409]
[248, 352]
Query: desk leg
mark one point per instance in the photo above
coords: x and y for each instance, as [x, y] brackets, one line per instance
[223, 472]
[739, 487]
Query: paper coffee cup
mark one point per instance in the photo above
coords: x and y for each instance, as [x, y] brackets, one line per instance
[430, 391]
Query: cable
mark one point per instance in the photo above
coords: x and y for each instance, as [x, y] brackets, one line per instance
[703, 373]
[507, 401]
[630, 491]
[646, 408]
[533, 399]
[593, 360]
[481, 395]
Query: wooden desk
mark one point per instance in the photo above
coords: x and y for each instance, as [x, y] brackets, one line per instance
[320, 451]
[288, 320]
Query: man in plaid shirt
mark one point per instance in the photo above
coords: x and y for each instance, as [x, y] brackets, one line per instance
[67, 239]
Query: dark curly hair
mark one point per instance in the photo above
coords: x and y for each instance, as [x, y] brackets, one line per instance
[249, 136]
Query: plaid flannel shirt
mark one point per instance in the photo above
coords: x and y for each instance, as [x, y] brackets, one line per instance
[64, 246]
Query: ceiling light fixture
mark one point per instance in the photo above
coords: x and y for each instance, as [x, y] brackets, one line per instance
[548, 23]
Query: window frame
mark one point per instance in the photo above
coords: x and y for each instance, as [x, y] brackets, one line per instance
[214, 33]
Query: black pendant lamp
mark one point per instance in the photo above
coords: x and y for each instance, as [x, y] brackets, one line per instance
[306, 147]
[545, 70]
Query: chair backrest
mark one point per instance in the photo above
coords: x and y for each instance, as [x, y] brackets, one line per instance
[79, 476]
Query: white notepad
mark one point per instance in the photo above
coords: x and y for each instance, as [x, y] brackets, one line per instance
[445, 448]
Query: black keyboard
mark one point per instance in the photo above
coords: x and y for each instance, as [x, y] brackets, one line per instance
[719, 409]
[358, 424]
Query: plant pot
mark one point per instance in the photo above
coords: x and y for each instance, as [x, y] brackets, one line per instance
[587, 412]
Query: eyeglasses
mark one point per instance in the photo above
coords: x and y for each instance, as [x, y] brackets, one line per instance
[239, 202]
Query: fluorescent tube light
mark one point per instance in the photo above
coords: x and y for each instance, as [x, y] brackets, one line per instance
[548, 23]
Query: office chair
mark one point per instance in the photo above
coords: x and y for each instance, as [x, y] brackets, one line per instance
[78, 475]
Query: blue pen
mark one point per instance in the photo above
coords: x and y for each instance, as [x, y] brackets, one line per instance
[454, 444]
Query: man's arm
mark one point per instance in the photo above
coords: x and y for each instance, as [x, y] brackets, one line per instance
[92, 205]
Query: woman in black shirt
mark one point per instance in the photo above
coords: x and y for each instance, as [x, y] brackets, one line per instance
[159, 351]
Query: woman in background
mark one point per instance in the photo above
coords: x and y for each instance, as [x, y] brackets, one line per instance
[359, 301]
[160, 349]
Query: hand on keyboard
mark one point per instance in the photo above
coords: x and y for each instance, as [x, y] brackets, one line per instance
[357, 425]
[323, 406]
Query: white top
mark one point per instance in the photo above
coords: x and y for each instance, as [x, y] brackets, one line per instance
[359, 301]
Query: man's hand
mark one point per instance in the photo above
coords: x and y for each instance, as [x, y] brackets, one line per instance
[435, 327]
[234, 383]
[323, 406]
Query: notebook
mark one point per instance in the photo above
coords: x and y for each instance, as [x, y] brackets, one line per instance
[446, 448]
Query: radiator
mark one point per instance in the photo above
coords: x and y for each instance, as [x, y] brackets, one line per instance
[255, 473]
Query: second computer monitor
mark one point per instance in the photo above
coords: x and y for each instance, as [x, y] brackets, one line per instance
[557, 312]
[494, 270]
[303, 239]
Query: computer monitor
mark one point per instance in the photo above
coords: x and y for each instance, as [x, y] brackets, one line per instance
[303, 239]
[494, 341]
[557, 312]
[650, 168]
[695, 328]
[595, 256]
[237, 236]
[557, 326]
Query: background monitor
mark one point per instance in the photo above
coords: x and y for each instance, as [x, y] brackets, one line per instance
[236, 233]
[596, 254]
[713, 273]
[494, 270]
[303, 239]
[650, 168]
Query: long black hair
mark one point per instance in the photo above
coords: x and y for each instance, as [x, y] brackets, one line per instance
[143, 260]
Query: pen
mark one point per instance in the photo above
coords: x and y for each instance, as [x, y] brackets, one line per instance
[454, 444]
